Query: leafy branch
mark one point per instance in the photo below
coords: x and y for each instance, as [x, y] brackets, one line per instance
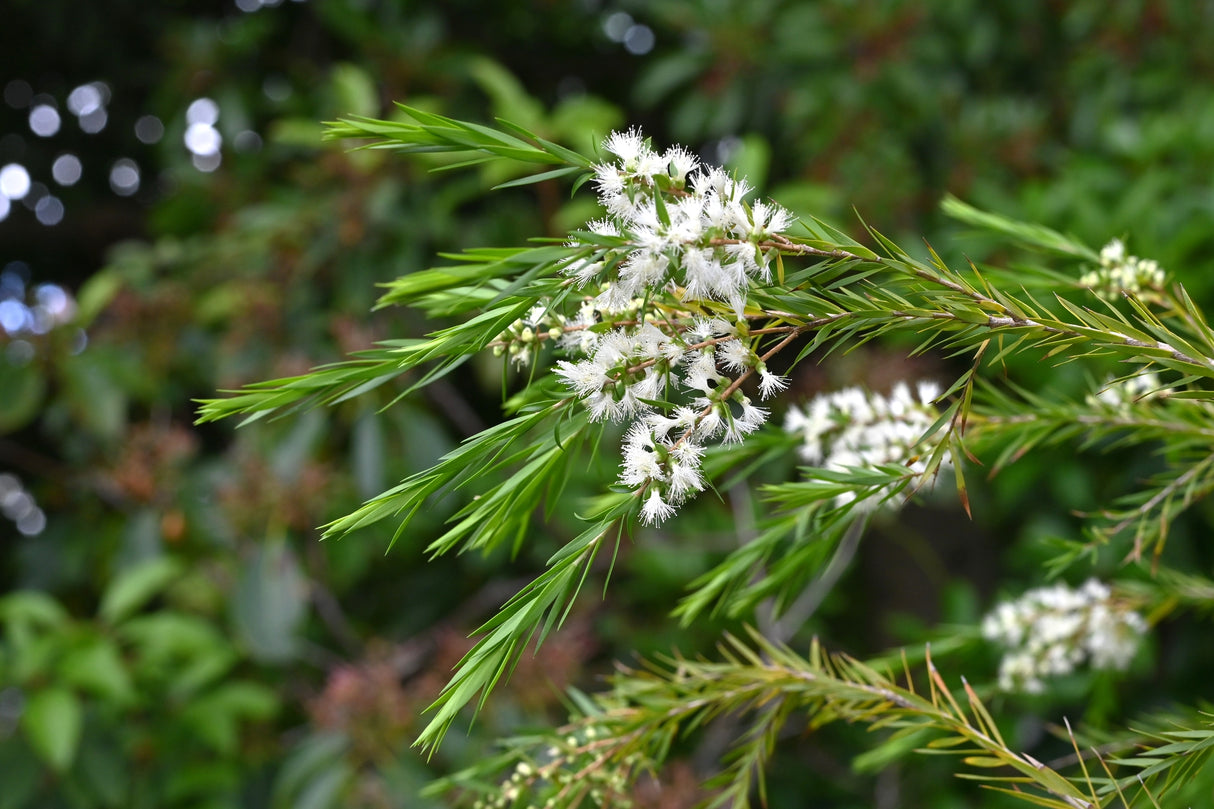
[655, 326]
[647, 711]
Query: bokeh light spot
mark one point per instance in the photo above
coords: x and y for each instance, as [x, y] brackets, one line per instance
[44, 120]
[149, 129]
[5, 207]
[67, 169]
[202, 111]
[207, 162]
[49, 210]
[19, 352]
[203, 139]
[639, 40]
[84, 99]
[55, 300]
[14, 278]
[247, 141]
[124, 177]
[37, 191]
[616, 25]
[32, 523]
[276, 88]
[14, 316]
[95, 121]
[17, 93]
[14, 181]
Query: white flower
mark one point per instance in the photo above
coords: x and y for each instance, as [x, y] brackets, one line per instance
[768, 218]
[1052, 631]
[738, 427]
[851, 429]
[656, 510]
[651, 387]
[603, 407]
[641, 462]
[685, 478]
[704, 277]
[585, 377]
[928, 392]
[1120, 273]
[627, 146]
[735, 355]
[1112, 253]
[711, 422]
[705, 329]
[701, 373]
[769, 383]
[681, 163]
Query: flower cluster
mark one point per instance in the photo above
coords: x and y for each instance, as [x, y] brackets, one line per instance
[1119, 273]
[851, 429]
[1051, 631]
[678, 245]
[631, 373]
[524, 335]
[681, 227]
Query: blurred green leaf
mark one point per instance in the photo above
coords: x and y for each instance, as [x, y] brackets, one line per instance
[367, 454]
[105, 772]
[270, 603]
[95, 666]
[751, 159]
[97, 293]
[510, 98]
[311, 759]
[20, 773]
[216, 716]
[24, 387]
[292, 450]
[32, 607]
[133, 588]
[353, 90]
[52, 722]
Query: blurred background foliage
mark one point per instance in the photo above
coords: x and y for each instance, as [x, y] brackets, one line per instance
[173, 634]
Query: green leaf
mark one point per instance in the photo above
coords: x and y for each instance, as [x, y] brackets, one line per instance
[95, 666]
[310, 759]
[270, 603]
[354, 90]
[31, 607]
[1029, 235]
[52, 722]
[135, 587]
[24, 387]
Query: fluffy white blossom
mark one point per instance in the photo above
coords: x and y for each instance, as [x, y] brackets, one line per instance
[676, 236]
[852, 428]
[1119, 273]
[686, 226]
[1052, 631]
[655, 510]
[666, 469]
[769, 383]
[750, 419]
